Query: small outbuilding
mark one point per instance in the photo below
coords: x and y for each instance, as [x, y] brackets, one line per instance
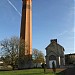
[55, 53]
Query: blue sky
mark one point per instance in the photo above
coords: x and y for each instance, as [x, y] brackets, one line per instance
[52, 19]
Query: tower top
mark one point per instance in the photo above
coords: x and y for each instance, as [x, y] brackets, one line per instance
[25, 0]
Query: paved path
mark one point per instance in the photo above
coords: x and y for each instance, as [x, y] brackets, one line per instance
[69, 71]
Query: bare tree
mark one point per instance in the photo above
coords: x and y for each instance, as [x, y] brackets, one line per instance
[11, 49]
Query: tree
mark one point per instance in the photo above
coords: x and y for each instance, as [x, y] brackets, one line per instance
[11, 50]
[23, 47]
[38, 56]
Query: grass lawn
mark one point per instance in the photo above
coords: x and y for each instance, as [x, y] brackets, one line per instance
[27, 72]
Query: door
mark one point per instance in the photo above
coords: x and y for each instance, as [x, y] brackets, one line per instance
[50, 63]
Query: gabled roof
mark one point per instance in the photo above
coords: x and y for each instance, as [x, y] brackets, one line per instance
[52, 52]
[56, 44]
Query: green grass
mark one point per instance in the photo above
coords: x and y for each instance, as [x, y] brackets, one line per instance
[27, 72]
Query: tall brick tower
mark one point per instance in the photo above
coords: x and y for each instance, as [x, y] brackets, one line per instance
[26, 30]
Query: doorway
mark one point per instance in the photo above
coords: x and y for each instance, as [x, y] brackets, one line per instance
[50, 63]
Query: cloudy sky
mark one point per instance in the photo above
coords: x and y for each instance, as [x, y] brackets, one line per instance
[52, 19]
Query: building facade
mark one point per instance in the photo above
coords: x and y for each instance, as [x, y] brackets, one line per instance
[70, 59]
[55, 52]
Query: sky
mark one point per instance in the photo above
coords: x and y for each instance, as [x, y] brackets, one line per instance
[51, 19]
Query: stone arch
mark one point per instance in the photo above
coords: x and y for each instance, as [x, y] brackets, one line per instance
[52, 57]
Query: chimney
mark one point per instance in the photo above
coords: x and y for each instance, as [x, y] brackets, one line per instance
[54, 41]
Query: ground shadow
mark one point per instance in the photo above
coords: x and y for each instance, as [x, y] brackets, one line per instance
[68, 71]
[32, 74]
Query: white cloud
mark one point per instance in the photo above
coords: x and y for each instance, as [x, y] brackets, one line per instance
[66, 32]
[61, 34]
[73, 30]
[14, 7]
[0, 47]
